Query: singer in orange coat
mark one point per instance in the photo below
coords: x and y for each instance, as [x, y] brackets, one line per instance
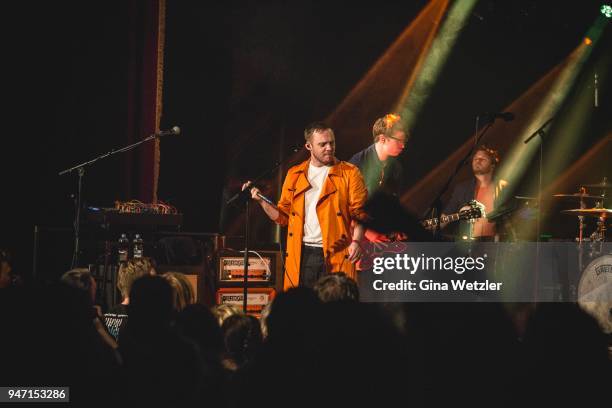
[339, 207]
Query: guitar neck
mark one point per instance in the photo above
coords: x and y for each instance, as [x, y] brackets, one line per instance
[431, 222]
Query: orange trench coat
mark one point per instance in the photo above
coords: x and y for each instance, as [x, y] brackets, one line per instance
[341, 201]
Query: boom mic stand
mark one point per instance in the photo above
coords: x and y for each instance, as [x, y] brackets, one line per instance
[245, 195]
[539, 132]
[80, 168]
[542, 133]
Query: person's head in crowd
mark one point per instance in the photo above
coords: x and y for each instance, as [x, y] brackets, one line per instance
[566, 352]
[151, 303]
[198, 323]
[224, 311]
[565, 328]
[337, 287]
[293, 313]
[83, 286]
[129, 272]
[81, 279]
[242, 337]
[6, 277]
[183, 292]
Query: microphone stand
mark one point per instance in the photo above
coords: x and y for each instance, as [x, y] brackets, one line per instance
[245, 195]
[80, 168]
[539, 132]
[436, 205]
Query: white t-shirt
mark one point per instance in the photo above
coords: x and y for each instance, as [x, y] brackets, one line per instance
[312, 228]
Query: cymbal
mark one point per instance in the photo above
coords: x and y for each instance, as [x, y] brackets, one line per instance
[601, 184]
[589, 212]
[578, 195]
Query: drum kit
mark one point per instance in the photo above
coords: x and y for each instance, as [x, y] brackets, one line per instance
[591, 207]
[595, 285]
[594, 289]
[597, 211]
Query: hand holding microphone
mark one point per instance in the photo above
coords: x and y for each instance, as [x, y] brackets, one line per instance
[256, 194]
[254, 190]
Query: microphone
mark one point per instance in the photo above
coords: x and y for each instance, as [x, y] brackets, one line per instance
[175, 131]
[266, 199]
[247, 191]
[246, 194]
[596, 92]
[506, 116]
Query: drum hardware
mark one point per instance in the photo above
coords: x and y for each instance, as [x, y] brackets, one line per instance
[595, 291]
[598, 236]
[604, 184]
[579, 195]
[597, 211]
[590, 212]
[582, 195]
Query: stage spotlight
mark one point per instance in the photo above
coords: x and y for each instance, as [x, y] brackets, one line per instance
[606, 10]
[588, 41]
[419, 87]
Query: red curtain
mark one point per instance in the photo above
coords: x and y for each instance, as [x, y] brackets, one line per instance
[146, 50]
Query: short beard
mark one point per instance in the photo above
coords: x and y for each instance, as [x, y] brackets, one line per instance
[482, 172]
[323, 160]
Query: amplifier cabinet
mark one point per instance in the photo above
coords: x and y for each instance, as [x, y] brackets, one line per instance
[257, 298]
[264, 270]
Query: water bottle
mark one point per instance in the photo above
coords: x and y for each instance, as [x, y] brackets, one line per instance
[123, 248]
[138, 246]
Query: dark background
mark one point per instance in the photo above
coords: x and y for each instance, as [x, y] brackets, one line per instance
[241, 79]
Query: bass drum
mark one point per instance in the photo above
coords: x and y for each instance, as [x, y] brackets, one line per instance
[595, 291]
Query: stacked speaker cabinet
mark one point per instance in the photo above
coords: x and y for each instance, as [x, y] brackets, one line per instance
[265, 278]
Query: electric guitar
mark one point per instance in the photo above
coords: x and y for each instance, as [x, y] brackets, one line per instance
[471, 211]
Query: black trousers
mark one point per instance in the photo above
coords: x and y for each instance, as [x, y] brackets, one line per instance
[312, 265]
